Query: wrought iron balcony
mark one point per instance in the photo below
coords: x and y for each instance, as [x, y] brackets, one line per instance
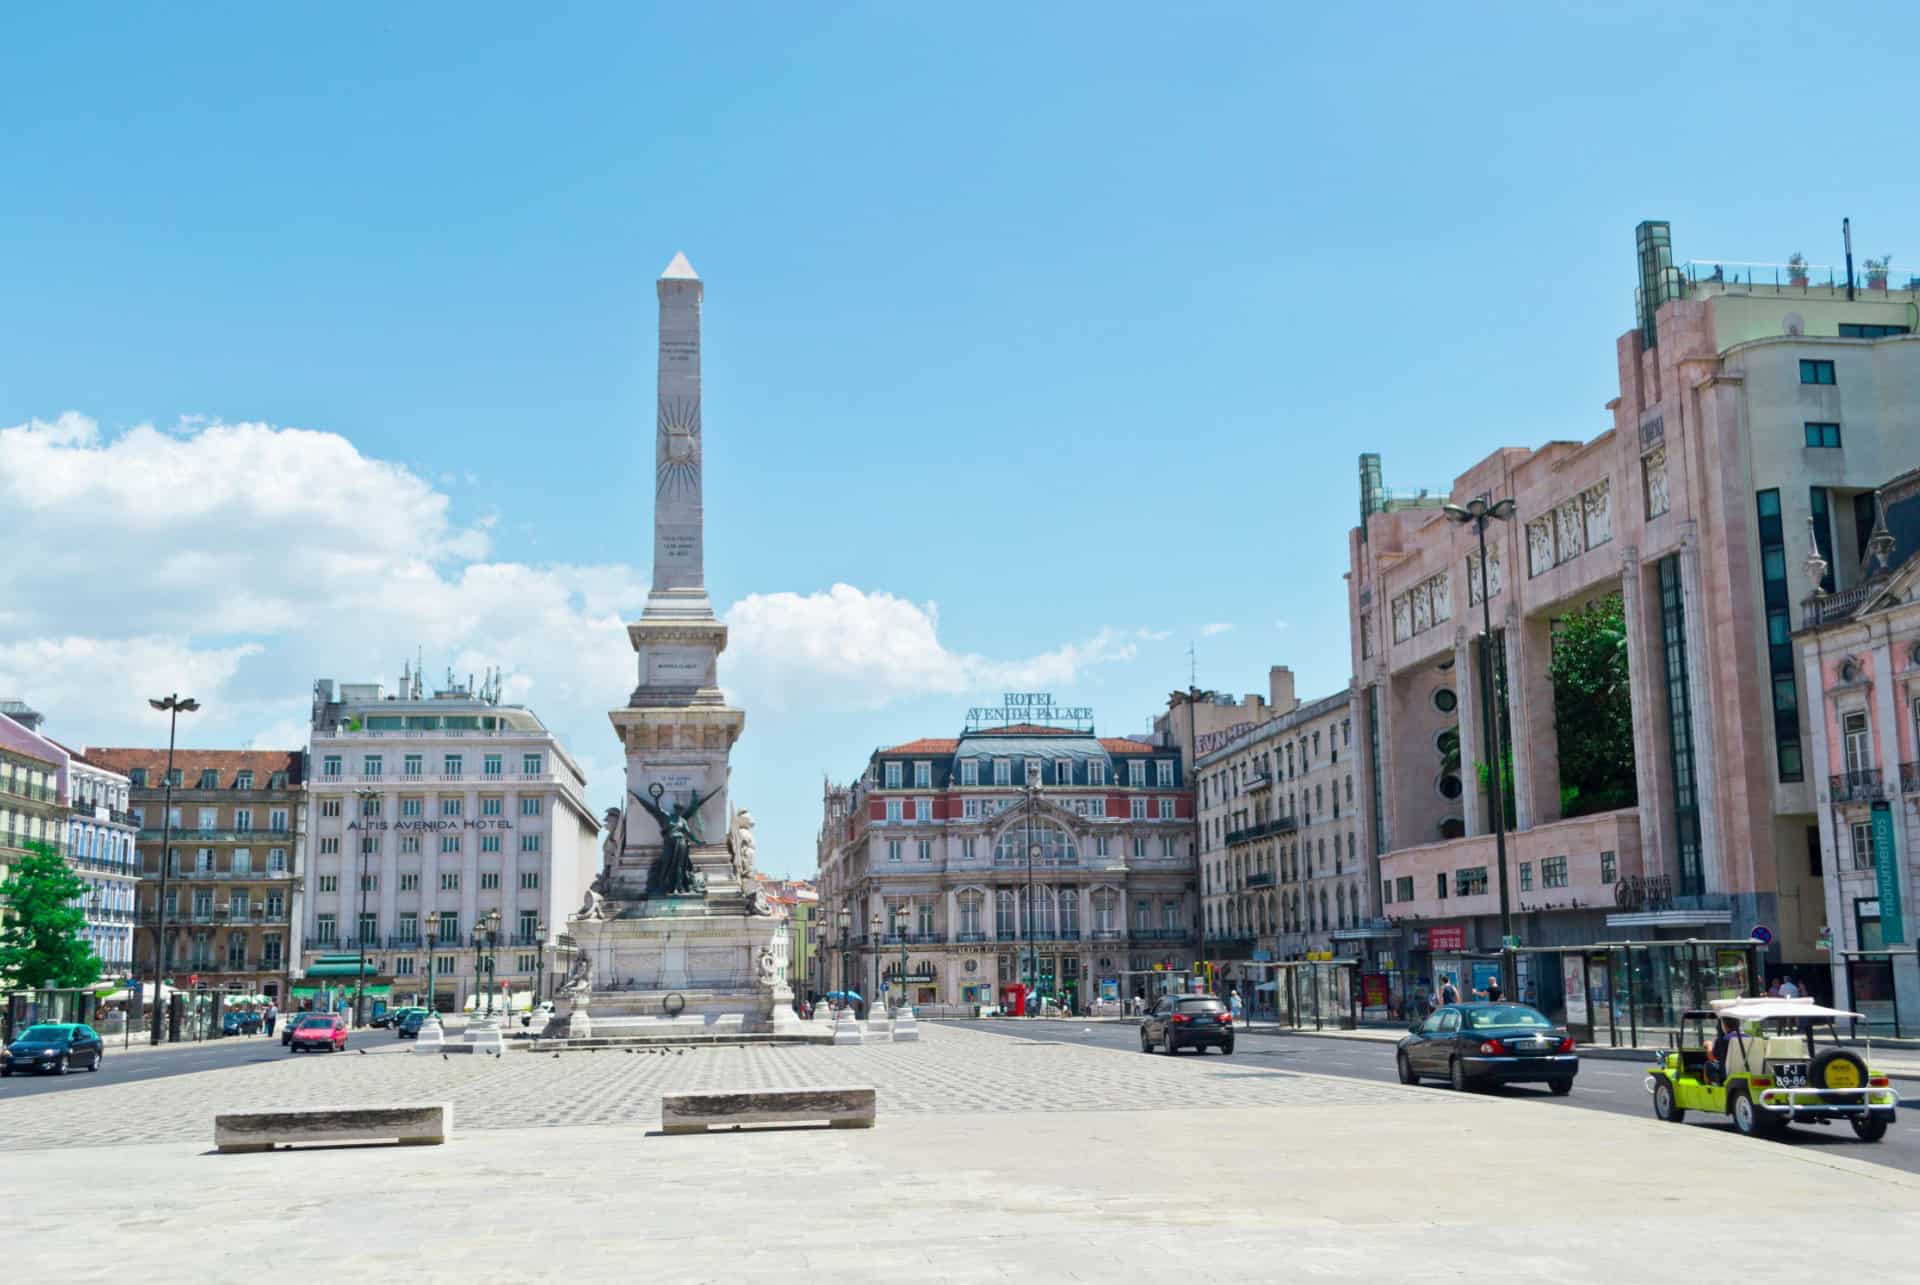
[1257, 781]
[1860, 785]
[1260, 879]
[1278, 825]
[1910, 778]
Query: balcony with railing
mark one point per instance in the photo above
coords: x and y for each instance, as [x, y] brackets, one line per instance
[33, 793]
[1857, 785]
[1260, 879]
[1257, 781]
[1261, 830]
[193, 834]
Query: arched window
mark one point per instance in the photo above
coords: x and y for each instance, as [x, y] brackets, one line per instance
[1056, 845]
[969, 903]
[1004, 925]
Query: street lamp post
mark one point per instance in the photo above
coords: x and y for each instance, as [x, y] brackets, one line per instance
[846, 952]
[1477, 513]
[490, 928]
[433, 940]
[174, 705]
[877, 923]
[364, 797]
[540, 965]
[902, 919]
[1033, 850]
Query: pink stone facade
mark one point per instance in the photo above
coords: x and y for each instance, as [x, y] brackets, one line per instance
[1668, 508]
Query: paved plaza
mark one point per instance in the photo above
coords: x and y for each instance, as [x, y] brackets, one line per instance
[993, 1159]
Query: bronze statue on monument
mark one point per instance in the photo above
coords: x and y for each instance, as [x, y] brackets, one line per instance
[672, 873]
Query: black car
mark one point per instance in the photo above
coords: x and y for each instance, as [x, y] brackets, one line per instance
[53, 1046]
[1187, 1022]
[1477, 1044]
[407, 1025]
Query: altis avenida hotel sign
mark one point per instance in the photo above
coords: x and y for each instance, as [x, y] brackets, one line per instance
[1030, 707]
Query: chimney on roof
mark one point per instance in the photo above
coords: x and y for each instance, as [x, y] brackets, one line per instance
[1280, 689]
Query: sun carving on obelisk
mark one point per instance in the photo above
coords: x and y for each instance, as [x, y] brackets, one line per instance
[677, 470]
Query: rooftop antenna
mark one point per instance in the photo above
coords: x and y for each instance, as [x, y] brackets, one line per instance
[1846, 234]
[1193, 666]
[419, 671]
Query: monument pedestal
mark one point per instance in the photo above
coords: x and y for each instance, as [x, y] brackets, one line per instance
[692, 968]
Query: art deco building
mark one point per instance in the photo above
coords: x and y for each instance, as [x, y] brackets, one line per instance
[1003, 841]
[33, 786]
[102, 834]
[432, 813]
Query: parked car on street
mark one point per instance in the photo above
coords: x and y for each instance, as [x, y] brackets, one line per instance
[315, 1032]
[1187, 1022]
[53, 1046]
[407, 1025]
[240, 1021]
[1772, 1074]
[287, 1023]
[1474, 1045]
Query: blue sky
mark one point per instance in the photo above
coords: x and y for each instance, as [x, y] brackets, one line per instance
[1071, 322]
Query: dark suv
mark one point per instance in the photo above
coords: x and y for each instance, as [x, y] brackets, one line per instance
[1187, 1022]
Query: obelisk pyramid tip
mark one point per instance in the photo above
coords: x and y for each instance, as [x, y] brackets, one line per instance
[679, 270]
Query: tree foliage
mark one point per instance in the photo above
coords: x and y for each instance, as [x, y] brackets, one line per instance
[1592, 711]
[43, 942]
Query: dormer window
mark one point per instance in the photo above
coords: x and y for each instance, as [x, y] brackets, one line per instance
[893, 776]
[243, 780]
[137, 778]
[922, 776]
[209, 778]
[969, 771]
[1096, 772]
[1003, 771]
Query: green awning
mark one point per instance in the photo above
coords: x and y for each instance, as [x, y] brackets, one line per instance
[350, 968]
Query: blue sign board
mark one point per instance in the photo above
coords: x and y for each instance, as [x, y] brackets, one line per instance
[1886, 863]
[1762, 934]
[1485, 973]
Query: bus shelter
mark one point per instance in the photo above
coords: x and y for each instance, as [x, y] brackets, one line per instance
[1140, 988]
[1316, 993]
[1879, 984]
[1632, 993]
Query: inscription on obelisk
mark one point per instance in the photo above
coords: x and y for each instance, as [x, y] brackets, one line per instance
[678, 517]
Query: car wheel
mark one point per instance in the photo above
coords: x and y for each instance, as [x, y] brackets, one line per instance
[1747, 1117]
[1407, 1074]
[1560, 1088]
[1146, 1045]
[6, 1072]
[99, 1056]
[1869, 1128]
[1167, 1045]
[1457, 1073]
[1226, 1050]
[60, 1067]
[1664, 1106]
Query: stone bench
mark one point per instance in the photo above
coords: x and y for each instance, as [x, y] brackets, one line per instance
[420, 1124]
[842, 1108]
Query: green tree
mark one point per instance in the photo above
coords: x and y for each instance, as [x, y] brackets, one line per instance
[43, 940]
[1592, 710]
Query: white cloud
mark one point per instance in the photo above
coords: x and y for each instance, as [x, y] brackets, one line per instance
[1220, 627]
[852, 649]
[1155, 635]
[1283, 624]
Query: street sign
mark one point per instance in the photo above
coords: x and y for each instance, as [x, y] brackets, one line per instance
[1511, 942]
[1761, 934]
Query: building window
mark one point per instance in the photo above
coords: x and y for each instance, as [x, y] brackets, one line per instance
[492, 807]
[532, 764]
[326, 930]
[1003, 771]
[452, 807]
[330, 767]
[410, 881]
[1553, 872]
[969, 772]
[1823, 435]
[529, 880]
[1166, 809]
[1470, 882]
[1856, 330]
[328, 808]
[894, 847]
[1403, 887]
[403, 965]
[1139, 809]
[1609, 868]
[893, 810]
[329, 845]
[923, 809]
[893, 776]
[449, 881]
[1440, 883]
[409, 844]
[451, 765]
[925, 849]
[243, 779]
[1686, 802]
[449, 933]
[530, 807]
[410, 807]
[489, 880]
[922, 776]
[489, 843]
[1096, 772]
[972, 809]
[529, 843]
[1163, 772]
[1816, 372]
[450, 843]
[413, 765]
[1862, 845]
[1773, 578]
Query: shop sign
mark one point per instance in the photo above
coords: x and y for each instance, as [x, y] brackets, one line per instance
[1447, 937]
[437, 823]
[1893, 927]
[1373, 990]
[1028, 707]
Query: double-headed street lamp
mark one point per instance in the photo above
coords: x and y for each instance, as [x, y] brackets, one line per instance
[902, 918]
[845, 918]
[877, 923]
[1477, 513]
[369, 800]
[540, 965]
[174, 705]
[1033, 851]
[433, 940]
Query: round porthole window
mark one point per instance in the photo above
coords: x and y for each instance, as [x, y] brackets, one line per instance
[1453, 828]
[1445, 701]
[1449, 786]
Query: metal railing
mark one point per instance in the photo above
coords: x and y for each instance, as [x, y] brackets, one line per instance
[1910, 778]
[1859, 785]
[1793, 279]
[1257, 781]
[189, 834]
[37, 793]
[1278, 825]
[1260, 879]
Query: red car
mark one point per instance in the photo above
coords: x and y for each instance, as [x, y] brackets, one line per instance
[315, 1031]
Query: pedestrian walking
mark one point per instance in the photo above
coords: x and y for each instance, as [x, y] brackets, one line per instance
[1233, 1002]
[1492, 992]
[273, 1015]
[1448, 994]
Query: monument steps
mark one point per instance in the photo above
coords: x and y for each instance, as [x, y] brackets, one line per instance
[665, 1040]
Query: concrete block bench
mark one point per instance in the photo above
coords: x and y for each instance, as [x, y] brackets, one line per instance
[842, 1108]
[418, 1124]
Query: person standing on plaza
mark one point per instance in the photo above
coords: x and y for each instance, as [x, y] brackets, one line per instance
[273, 1015]
[1448, 993]
[1233, 1002]
[1785, 989]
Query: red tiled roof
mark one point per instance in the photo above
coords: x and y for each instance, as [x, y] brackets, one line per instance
[926, 745]
[191, 763]
[1121, 745]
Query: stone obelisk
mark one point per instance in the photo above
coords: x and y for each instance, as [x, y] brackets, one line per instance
[677, 728]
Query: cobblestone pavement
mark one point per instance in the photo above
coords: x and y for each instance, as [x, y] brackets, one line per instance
[948, 1072]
